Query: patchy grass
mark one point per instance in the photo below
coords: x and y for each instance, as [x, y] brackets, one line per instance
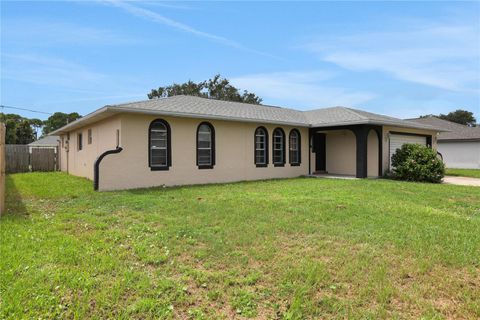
[291, 249]
[474, 173]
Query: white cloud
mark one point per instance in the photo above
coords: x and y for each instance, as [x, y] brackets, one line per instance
[300, 89]
[160, 19]
[44, 33]
[48, 71]
[446, 57]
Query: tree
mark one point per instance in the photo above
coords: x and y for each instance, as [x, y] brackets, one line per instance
[460, 116]
[24, 132]
[215, 88]
[58, 120]
[36, 124]
[19, 130]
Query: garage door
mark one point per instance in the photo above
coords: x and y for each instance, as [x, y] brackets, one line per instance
[398, 140]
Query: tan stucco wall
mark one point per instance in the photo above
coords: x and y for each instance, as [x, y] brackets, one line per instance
[234, 155]
[80, 162]
[341, 151]
[386, 140]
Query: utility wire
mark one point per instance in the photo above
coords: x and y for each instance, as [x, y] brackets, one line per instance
[24, 109]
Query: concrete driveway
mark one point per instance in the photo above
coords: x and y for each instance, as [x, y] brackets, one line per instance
[462, 181]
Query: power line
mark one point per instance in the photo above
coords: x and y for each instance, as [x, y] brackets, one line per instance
[24, 109]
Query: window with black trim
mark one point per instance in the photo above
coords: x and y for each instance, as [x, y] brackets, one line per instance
[89, 137]
[159, 149]
[294, 148]
[278, 147]
[205, 146]
[79, 141]
[261, 147]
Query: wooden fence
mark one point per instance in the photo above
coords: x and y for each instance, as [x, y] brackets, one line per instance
[22, 158]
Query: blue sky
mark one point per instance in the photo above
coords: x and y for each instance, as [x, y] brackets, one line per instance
[398, 58]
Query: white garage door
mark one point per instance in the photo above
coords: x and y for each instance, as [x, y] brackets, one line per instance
[398, 140]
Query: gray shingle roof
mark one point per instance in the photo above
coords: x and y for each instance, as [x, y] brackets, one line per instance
[456, 131]
[46, 141]
[190, 105]
[346, 116]
[197, 107]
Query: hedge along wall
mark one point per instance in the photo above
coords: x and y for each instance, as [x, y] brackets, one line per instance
[2, 168]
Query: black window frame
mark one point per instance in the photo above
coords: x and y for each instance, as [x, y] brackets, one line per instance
[89, 136]
[212, 146]
[260, 165]
[278, 164]
[299, 148]
[169, 146]
[80, 141]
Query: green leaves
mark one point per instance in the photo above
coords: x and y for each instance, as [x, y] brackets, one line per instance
[216, 88]
[414, 162]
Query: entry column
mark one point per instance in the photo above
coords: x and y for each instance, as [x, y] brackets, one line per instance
[361, 135]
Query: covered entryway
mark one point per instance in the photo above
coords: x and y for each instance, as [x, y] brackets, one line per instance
[347, 150]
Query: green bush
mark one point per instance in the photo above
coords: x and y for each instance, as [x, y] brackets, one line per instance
[414, 162]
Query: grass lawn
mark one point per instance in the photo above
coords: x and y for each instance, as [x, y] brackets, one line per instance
[290, 249]
[474, 173]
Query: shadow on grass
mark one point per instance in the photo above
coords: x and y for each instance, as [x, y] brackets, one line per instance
[14, 205]
[167, 189]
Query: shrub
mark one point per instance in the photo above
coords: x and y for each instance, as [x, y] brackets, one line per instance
[414, 162]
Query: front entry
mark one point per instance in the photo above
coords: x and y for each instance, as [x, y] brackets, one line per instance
[319, 148]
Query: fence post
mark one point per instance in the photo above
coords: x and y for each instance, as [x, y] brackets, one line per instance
[2, 168]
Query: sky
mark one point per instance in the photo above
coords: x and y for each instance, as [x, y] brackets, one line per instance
[402, 59]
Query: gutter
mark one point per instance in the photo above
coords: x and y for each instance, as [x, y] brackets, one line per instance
[96, 166]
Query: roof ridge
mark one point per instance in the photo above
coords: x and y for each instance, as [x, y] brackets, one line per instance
[354, 111]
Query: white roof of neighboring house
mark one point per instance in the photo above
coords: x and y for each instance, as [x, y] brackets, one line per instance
[198, 107]
[47, 141]
[456, 131]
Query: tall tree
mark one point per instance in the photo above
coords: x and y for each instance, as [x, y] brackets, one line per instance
[460, 116]
[36, 124]
[215, 88]
[19, 130]
[58, 120]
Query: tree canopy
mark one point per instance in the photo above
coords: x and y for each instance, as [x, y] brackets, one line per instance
[458, 116]
[58, 120]
[19, 130]
[215, 88]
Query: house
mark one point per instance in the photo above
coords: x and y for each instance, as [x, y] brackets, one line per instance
[459, 145]
[45, 142]
[184, 140]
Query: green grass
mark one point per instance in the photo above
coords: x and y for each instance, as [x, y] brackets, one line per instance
[290, 249]
[474, 173]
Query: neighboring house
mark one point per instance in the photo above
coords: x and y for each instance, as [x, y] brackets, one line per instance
[191, 140]
[45, 142]
[459, 145]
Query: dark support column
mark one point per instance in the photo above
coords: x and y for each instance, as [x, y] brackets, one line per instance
[361, 135]
[379, 132]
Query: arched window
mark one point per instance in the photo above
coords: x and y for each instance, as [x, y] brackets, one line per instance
[294, 148]
[205, 146]
[261, 147]
[159, 149]
[278, 147]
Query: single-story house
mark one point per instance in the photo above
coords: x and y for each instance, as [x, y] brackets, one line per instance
[458, 144]
[184, 140]
[49, 141]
